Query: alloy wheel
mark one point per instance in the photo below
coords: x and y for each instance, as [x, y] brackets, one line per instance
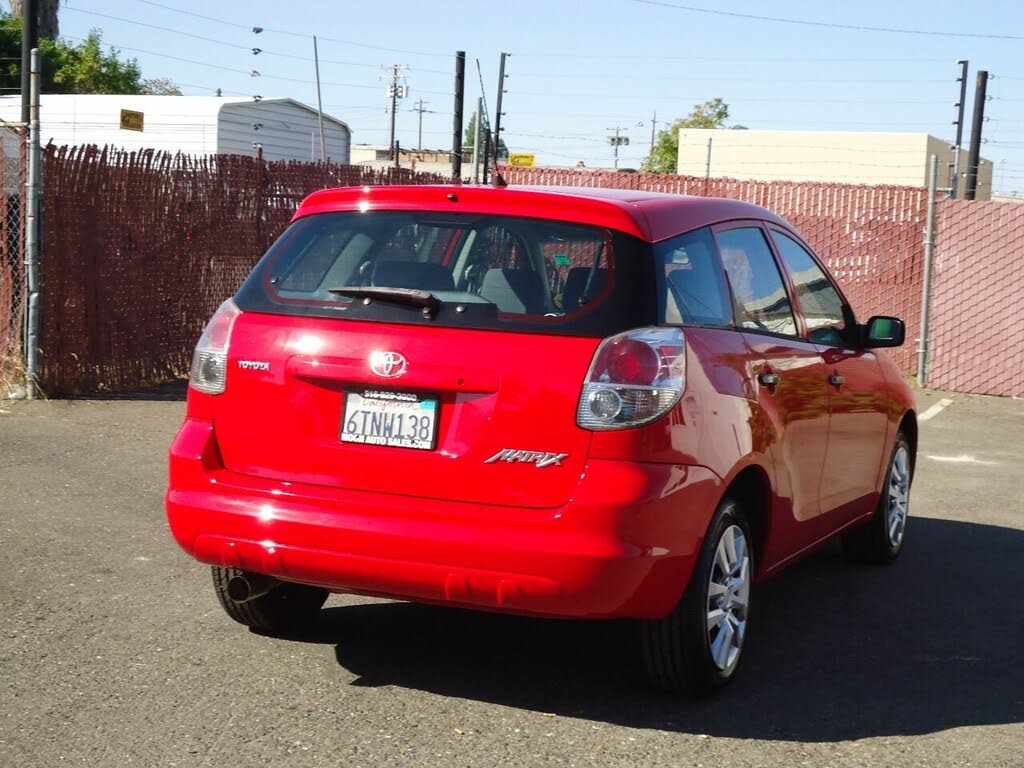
[899, 496]
[728, 598]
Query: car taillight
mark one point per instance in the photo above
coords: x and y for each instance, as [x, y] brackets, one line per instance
[635, 377]
[210, 360]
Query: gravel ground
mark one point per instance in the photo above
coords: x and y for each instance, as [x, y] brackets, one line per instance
[114, 651]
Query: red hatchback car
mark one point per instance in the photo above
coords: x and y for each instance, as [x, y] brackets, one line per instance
[559, 402]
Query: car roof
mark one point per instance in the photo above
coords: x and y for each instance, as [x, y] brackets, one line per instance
[651, 216]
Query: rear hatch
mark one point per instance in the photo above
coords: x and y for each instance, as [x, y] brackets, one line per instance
[425, 354]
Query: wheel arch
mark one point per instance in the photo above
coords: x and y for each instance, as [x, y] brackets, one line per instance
[908, 426]
[751, 488]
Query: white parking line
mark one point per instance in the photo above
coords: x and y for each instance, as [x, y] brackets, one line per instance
[963, 458]
[936, 409]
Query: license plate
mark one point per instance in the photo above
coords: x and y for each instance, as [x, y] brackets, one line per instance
[398, 419]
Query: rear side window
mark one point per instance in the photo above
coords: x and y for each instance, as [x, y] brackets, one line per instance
[484, 270]
[691, 284]
[762, 303]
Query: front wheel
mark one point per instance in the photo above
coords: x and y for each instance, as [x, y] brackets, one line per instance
[880, 540]
[697, 648]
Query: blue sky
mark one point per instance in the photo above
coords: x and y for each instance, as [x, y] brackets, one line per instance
[580, 68]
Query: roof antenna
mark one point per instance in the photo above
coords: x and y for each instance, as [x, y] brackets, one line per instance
[497, 180]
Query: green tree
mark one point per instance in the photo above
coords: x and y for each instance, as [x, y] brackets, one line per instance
[665, 152]
[83, 67]
[470, 137]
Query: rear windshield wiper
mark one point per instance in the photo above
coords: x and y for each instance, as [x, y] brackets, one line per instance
[410, 297]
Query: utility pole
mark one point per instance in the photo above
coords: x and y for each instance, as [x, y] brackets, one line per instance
[617, 141]
[497, 110]
[954, 184]
[396, 90]
[29, 40]
[319, 104]
[460, 87]
[476, 139]
[654, 124]
[976, 126]
[707, 163]
[421, 107]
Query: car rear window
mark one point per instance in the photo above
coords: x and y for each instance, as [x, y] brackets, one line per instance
[485, 270]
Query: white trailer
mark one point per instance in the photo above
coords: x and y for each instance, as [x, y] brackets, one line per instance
[195, 125]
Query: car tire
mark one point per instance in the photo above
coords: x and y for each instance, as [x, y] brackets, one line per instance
[880, 540]
[285, 608]
[684, 652]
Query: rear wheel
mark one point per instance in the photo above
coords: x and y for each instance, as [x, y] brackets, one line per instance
[697, 648]
[881, 539]
[284, 608]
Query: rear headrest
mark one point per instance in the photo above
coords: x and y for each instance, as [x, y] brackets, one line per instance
[576, 283]
[516, 291]
[425, 276]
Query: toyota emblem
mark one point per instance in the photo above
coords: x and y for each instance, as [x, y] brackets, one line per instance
[390, 365]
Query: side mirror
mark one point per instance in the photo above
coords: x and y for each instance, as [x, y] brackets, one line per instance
[882, 331]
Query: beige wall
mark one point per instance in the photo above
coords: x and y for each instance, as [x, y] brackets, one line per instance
[844, 158]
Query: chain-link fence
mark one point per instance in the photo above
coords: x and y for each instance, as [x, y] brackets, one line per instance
[12, 261]
[977, 337]
[139, 249]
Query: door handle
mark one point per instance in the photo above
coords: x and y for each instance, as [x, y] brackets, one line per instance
[768, 379]
[836, 380]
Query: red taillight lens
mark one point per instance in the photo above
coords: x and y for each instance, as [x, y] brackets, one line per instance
[210, 360]
[629, 361]
[635, 378]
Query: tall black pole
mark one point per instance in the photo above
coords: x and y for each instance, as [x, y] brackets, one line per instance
[29, 40]
[955, 182]
[976, 124]
[497, 111]
[460, 88]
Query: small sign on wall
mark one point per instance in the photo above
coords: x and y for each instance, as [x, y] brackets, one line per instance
[521, 159]
[131, 120]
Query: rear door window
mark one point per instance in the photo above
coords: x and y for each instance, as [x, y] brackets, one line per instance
[691, 284]
[760, 297]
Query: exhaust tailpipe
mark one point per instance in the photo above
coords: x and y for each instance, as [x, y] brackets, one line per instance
[248, 586]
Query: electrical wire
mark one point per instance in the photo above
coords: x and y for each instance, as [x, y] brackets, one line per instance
[827, 24]
[293, 33]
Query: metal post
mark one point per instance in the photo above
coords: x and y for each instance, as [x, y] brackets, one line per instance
[476, 140]
[976, 126]
[707, 163]
[319, 104]
[926, 288]
[32, 233]
[394, 106]
[29, 40]
[955, 182]
[460, 85]
[497, 110]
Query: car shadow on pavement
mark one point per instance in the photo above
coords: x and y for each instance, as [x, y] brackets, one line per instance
[838, 651]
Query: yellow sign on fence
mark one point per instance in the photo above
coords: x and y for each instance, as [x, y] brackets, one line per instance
[131, 120]
[522, 159]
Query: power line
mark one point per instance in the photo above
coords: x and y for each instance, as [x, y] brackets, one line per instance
[827, 24]
[292, 33]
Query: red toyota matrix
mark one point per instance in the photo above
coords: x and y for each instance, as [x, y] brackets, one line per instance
[559, 402]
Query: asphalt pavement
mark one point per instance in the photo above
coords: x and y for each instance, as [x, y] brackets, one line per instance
[114, 652]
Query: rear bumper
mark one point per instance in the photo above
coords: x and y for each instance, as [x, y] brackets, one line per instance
[623, 546]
